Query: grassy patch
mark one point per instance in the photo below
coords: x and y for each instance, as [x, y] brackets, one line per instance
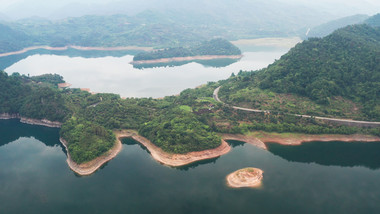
[186, 108]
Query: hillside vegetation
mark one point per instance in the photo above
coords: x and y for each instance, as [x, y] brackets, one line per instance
[337, 75]
[344, 64]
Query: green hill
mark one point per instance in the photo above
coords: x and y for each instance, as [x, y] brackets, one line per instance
[343, 66]
[12, 40]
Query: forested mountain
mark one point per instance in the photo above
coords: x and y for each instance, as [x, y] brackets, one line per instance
[31, 98]
[12, 39]
[345, 63]
[170, 24]
[212, 47]
[329, 27]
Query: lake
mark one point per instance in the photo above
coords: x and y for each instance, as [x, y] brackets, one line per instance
[111, 72]
[35, 178]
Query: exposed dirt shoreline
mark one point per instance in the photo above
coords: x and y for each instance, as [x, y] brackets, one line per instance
[260, 138]
[120, 48]
[175, 160]
[90, 167]
[255, 138]
[188, 58]
[247, 177]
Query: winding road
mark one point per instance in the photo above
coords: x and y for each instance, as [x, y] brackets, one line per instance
[332, 120]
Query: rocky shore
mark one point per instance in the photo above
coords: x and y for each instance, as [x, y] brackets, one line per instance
[260, 138]
[41, 122]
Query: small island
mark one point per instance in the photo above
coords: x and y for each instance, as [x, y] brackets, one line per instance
[247, 177]
[207, 50]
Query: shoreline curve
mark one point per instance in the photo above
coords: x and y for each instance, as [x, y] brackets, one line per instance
[92, 166]
[171, 159]
[259, 139]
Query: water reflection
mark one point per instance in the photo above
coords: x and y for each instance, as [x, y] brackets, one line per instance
[36, 178]
[215, 63]
[235, 143]
[7, 61]
[331, 153]
[12, 130]
[194, 165]
[116, 75]
[130, 141]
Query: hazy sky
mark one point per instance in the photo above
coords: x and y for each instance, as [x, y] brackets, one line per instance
[60, 8]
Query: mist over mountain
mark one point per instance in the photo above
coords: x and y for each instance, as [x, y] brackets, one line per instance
[321, 10]
[327, 28]
[374, 21]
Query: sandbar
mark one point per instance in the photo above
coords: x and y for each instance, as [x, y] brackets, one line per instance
[247, 177]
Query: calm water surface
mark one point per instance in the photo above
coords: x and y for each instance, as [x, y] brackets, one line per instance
[113, 73]
[34, 178]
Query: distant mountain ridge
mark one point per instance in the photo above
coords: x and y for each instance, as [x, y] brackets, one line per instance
[329, 27]
[168, 23]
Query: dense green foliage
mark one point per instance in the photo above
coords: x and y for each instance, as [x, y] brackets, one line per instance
[12, 92]
[120, 114]
[180, 132]
[11, 40]
[212, 47]
[21, 95]
[44, 103]
[54, 79]
[87, 140]
[345, 63]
